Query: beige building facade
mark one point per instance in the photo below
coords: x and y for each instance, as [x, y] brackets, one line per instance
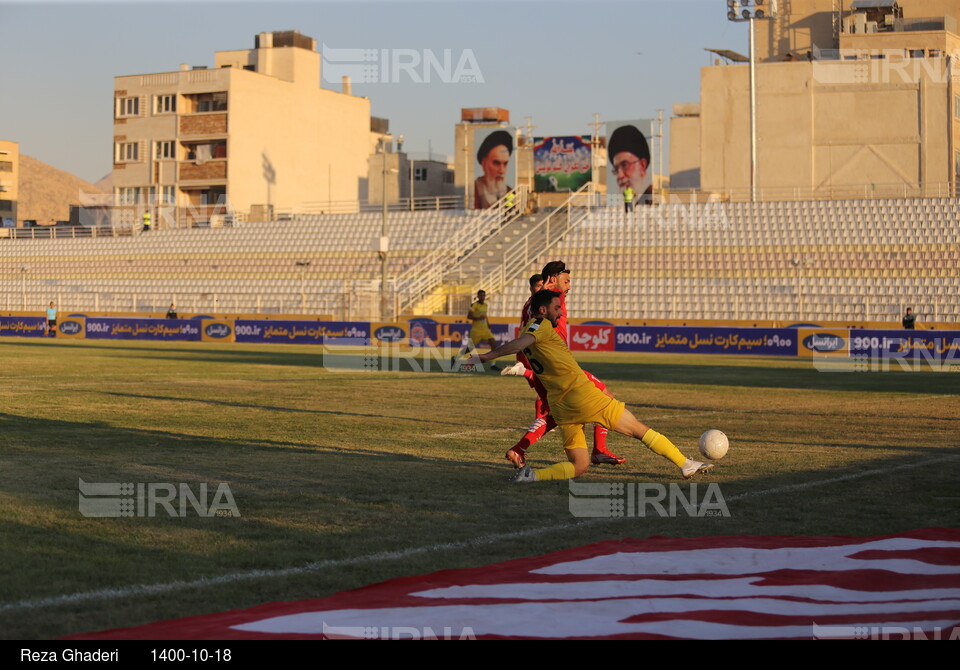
[256, 131]
[423, 180]
[9, 182]
[855, 103]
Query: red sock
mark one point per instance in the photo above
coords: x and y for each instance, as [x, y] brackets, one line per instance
[600, 440]
[538, 429]
[528, 373]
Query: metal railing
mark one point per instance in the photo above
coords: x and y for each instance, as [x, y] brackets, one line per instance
[418, 281]
[364, 305]
[422, 204]
[541, 238]
[890, 191]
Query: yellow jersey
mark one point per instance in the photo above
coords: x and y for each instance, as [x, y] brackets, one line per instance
[572, 396]
[478, 310]
[479, 329]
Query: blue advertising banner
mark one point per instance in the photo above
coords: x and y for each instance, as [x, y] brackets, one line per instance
[23, 326]
[705, 340]
[929, 345]
[301, 332]
[108, 328]
[425, 332]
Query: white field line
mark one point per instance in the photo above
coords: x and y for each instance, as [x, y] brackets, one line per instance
[234, 577]
[231, 578]
[842, 478]
[477, 431]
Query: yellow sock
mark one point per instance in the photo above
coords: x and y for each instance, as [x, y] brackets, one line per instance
[659, 444]
[556, 471]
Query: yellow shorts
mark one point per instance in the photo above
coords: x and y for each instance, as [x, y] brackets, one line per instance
[480, 334]
[606, 415]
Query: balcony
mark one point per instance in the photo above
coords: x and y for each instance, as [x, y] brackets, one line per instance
[206, 171]
[204, 123]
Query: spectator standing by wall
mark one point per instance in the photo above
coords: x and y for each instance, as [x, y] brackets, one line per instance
[52, 320]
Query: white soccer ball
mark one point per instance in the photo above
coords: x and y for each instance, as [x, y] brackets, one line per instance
[714, 444]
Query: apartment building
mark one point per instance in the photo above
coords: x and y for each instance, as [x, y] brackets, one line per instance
[853, 99]
[9, 179]
[256, 131]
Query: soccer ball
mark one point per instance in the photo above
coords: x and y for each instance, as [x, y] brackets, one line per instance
[714, 444]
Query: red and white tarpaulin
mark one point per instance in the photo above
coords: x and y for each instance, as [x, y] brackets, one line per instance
[736, 587]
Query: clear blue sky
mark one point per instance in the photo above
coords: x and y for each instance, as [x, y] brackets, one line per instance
[557, 62]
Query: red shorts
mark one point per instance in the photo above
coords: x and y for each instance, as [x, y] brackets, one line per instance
[596, 382]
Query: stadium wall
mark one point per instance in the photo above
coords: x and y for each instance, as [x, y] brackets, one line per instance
[937, 349]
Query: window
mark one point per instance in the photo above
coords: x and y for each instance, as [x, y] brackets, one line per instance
[165, 149]
[215, 195]
[206, 151]
[448, 177]
[956, 164]
[6, 205]
[6, 166]
[211, 102]
[128, 195]
[419, 174]
[168, 195]
[956, 106]
[165, 104]
[128, 107]
[127, 152]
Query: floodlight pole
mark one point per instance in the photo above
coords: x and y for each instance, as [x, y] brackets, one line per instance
[751, 10]
[383, 236]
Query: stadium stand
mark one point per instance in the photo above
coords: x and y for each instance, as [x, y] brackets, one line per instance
[853, 260]
[314, 264]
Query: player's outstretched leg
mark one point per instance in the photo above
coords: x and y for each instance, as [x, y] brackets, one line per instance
[578, 460]
[543, 424]
[659, 444]
[600, 452]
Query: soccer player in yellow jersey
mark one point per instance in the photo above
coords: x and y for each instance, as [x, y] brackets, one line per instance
[479, 330]
[574, 400]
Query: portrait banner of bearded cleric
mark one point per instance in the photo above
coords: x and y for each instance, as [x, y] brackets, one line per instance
[629, 161]
[495, 169]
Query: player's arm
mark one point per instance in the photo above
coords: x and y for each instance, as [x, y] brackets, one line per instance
[513, 347]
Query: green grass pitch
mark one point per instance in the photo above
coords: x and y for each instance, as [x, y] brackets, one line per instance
[347, 477]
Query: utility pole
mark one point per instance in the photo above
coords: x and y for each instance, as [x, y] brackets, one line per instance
[750, 10]
[384, 240]
[595, 153]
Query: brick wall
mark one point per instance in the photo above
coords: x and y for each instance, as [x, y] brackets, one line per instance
[209, 170]
[203, 124]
